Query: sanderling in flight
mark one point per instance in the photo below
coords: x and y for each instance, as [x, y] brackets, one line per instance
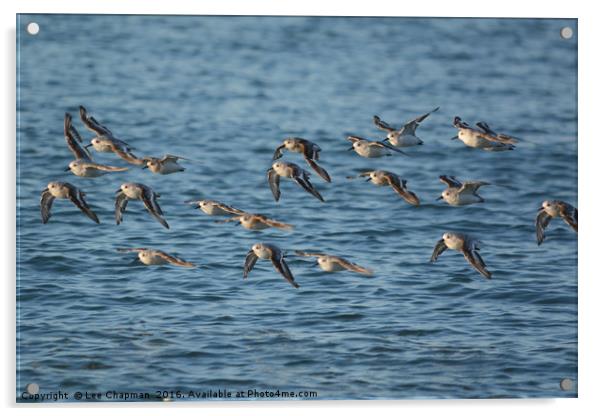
[83, 164]
[385, 178]
[257, 222]
[215, 208]
[551, 209]
[156, 257]
[465, 245]
[164, 166]
[105, 141]
[461, 193]
[290, 170]
[273, 253]
[142, 192]
[482, 137]
[405, 136]
[335, 264]
[309, 150]
[64, 190]
[368, 148]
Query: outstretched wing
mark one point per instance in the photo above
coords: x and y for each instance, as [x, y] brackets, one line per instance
[129, 250]
[174, 260]
[472, 186]
[352, 266]
[541, 222]
[91, 123]
[476, 261]
[491, 135]
[318, 169]
[306, 254]
[304, 182]
[450, 181]
[149, 200]
[74, 139]
[440, 247]
[106, 168]
[274, 181]
[388, 146]
[411, 126]
[77, 197]
[278, 152]
[282, 268]
[401, 190]
[569, 214]
[229, 209]
[121, 202]
[382, 125]
[45, 205]
[250, 261]
[274, 223]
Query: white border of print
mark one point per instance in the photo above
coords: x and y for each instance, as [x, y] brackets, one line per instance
[589, 155]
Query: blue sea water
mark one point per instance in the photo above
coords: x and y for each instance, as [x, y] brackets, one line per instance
[225, 91]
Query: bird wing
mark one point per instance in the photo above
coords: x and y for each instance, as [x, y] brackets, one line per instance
[77, 197]
[278, 152]
[106, 168]
[229, 208]
[382, 125]
[121, 202]
[303, 180]
[173, 260]
[440, 247]
[129, 250]
[489, 134]
[126, 155]
[306, 254]
[450, 181]
[352, 266]
[282, 268]
[74, 139]
[388, 146]
[91, 123]
[274, 223]
[541, 222]
[46, 201]
[318, 169]
[569, 214]
[354, 139]
[401, 190]
[472, 186]
[149, 200]
[411, 126]
[274, 181]
[476, 261]
[250, 261]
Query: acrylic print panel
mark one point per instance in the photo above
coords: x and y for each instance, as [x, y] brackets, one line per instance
[413, 312]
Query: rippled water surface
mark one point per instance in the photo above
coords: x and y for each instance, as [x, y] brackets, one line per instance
[225, 91]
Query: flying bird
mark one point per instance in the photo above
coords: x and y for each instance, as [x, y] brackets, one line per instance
[309, 150]
[552, 209]
[385, 178]
[330, 263]
[156, 257]
[83, 164]
[274, 254]
[461, 193]
[294, 172]
[142, 192]
[64, 190]
[404, 136]
[482, 137]
[466, 245]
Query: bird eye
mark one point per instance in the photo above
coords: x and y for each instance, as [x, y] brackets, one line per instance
[125, 186]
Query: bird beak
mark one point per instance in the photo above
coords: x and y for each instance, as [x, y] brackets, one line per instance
[145, 166]
[119, 190]
[351, 148]
[454, 138]
[88, 145]
[539, 209]
[368, 180]
[67, 169]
